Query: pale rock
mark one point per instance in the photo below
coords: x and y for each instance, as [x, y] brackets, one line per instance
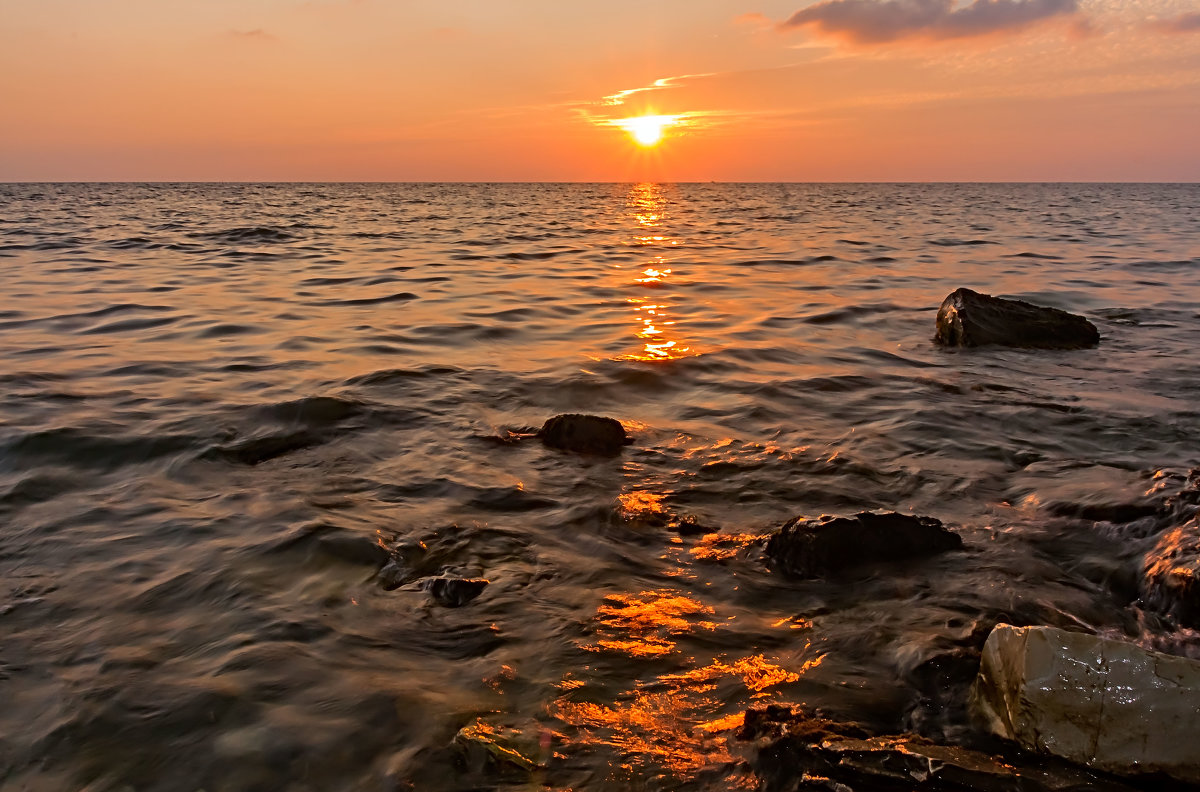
[1107, 704]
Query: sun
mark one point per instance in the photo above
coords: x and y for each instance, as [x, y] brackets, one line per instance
[646, 130]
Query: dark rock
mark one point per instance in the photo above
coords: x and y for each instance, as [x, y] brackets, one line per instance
[968, 319]
[455, 592]
[1171, 574]
[404, 565]
[799, 752]
[585, 434]
[812, 548]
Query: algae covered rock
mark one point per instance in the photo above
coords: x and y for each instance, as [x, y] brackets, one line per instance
[584, 434]
[1108, 704]
[970, 319]
[812, 548]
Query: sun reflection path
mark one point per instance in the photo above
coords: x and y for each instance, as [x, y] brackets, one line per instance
[677, 723]
[647, 206]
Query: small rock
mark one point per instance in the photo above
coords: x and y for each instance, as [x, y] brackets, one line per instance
[406, 559]
[1171, 574]
[969, 319]
[455, 592]
[585, 434]
[1108, 704]
[812, 548]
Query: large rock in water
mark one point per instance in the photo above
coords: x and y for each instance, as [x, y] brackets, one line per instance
[812, 548]
[586, 434]
[1171, 575]
[968, 318]
[1107, 704]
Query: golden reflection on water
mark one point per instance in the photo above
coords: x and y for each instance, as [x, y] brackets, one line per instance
[672, 722]
[656, 332]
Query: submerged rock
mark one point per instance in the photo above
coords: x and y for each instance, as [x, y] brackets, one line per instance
[812, 548]
[1171, 574]
[798, 752]
[585, 434]
[1104, 703]
[968, 319]
[454, 592]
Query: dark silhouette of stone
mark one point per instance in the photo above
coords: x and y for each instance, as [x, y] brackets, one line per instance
[796, 752]
[455, 592]
[813, 548]
[585, 434]
[1171, 574]
[969, 319]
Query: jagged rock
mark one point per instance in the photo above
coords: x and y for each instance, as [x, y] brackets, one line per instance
[454, 592]
[798, 752]
[812, 548]
[1171, 574]
[1104, 703]
[585, 434]
[968, 319]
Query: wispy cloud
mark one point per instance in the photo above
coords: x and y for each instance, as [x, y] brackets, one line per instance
[258, 34]
[664, 82]
[883, 21]
[1184, 23]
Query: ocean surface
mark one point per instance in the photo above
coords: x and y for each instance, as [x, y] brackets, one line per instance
[225, 407]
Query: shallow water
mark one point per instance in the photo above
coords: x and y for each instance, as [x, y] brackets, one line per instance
[220, 399]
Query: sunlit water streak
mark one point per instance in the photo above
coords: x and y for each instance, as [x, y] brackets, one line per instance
[220, 400]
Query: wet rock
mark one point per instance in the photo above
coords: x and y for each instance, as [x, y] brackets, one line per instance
[585, 434]
[455, 592]
[813, 548]
[968, 319]
[404, 564]
[796, 751]
[486, 747]
[1108, 704]
[1171, 574]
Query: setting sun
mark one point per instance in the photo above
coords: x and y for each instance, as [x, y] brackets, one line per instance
[646, 130]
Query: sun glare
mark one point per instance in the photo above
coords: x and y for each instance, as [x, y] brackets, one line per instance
[646, 130]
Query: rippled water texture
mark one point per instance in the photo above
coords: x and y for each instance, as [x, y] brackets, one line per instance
[220, 401]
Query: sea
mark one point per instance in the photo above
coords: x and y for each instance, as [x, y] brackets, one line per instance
[242, 427]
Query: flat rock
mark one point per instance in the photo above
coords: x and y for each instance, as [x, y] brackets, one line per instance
[970, 319]
[1171, 575]
[584, 434]
[1108, 704]
[813, 548]
[798, 752]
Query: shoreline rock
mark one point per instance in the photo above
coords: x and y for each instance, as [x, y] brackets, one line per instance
[813, 548]
[1171, 574]
[970, 319]
[796, 751]
[1107, 704]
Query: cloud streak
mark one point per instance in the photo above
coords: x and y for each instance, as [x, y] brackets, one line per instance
[1184, 23]
[883, 21]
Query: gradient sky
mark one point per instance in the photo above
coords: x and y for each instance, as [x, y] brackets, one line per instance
[774, 90]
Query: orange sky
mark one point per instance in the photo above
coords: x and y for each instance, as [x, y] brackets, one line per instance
[410, 90]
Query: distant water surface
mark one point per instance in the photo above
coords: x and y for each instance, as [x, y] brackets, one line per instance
[221, 400]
